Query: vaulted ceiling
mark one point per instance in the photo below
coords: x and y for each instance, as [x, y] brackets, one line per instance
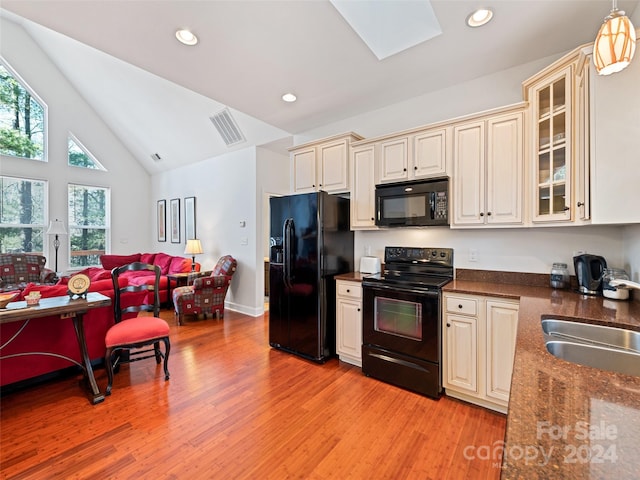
[157, 95]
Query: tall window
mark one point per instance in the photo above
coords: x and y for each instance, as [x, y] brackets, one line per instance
[23, 203]
[89, 221]
[22, 118]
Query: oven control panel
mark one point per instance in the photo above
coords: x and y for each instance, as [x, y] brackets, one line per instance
[418, 255]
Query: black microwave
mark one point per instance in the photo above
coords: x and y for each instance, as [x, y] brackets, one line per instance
[413, 204]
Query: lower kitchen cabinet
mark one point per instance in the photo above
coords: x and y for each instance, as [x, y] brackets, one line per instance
[479, 337]
[349, 322]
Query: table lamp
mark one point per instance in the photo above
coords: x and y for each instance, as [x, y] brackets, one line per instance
[56, 227]
[193, 248]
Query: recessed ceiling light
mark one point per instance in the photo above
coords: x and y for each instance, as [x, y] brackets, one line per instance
[186, 37]
[289, 97]
[479, 17]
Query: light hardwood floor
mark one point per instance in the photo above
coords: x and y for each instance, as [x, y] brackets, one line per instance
[235, 408]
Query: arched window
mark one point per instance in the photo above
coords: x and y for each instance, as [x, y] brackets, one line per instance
[22, 118]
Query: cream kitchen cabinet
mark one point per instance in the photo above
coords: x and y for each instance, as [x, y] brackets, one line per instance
[363, 206]
[349, 322]
[562, 137]
[488, 165]
[421, 154]
[479, 337]
[322, 165]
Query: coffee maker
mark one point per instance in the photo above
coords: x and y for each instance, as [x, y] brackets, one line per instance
[589, 272]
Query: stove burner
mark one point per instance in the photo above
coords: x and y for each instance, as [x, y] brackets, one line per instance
[418, 268]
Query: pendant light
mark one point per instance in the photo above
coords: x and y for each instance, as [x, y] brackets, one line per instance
[615, 44]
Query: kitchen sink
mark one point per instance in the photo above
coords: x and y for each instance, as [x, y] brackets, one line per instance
[607, 348]
[614, 360]
[600, 335]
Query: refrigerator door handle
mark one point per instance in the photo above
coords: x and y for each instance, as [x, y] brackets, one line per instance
[286, 247]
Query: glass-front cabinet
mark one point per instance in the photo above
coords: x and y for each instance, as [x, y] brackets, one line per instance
[550, 102]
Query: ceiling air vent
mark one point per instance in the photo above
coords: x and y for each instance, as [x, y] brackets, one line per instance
[227, 128]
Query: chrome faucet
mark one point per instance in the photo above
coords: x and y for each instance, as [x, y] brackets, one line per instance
[624, 284]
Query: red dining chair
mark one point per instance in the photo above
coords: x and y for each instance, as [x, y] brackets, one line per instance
[127, 339]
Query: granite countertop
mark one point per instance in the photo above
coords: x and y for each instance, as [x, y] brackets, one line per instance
[566, 420]
[351, 276]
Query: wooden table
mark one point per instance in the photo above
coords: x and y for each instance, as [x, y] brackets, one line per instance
[64, 307]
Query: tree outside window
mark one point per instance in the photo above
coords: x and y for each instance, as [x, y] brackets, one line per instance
[22, 119]
[79, 156]
[22, 215]
[88, 224]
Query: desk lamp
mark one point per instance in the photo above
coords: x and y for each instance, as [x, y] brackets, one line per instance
[193, 248]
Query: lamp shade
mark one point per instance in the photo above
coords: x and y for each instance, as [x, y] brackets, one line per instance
[194, 247]
[615, 44]
[56, 227]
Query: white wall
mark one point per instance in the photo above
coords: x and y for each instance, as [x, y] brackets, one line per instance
[228, 191]
[68, 112]
[520, 250]
[225, 191]
[631, 239]
[273, 180]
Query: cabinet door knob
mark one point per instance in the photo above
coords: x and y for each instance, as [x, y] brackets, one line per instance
[580, 204]
[358, 309]
[460, 306]
[566, 208]
[348, 291]
[404, 169]
[320, 185]
[482, 214]
[415, 167]
[488, 214]
[448, 325]
[372, 219]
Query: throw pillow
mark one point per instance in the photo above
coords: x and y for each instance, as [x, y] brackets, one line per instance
[147, 258]
[180, 265]
[163, 261]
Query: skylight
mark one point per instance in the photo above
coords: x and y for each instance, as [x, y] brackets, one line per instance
[387, 27]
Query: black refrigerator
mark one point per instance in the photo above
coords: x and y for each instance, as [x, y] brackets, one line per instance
[310, 242]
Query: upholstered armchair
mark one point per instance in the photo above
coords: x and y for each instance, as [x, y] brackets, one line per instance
[206, 295]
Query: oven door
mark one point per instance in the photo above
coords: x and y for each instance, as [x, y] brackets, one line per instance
[402, 320]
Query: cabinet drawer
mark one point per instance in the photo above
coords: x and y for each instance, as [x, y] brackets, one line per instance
[349, 289]
[465, 306]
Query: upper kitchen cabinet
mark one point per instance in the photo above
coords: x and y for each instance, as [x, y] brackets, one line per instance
[412, 156]
[322, 165]
[550, 100]
[488, 164]
[615, 145]
[560, 114]
[363, 189]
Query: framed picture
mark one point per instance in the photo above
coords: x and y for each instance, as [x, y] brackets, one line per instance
[174, 213]
[162, 220]
[189, 218]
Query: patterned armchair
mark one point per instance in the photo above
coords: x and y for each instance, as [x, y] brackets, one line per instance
[207, 294]
[19, 269]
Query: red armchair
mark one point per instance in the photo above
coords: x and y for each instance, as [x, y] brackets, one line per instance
[207, 294]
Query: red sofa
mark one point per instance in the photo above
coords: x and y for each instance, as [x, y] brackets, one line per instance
[168, 265]
[52, 336]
